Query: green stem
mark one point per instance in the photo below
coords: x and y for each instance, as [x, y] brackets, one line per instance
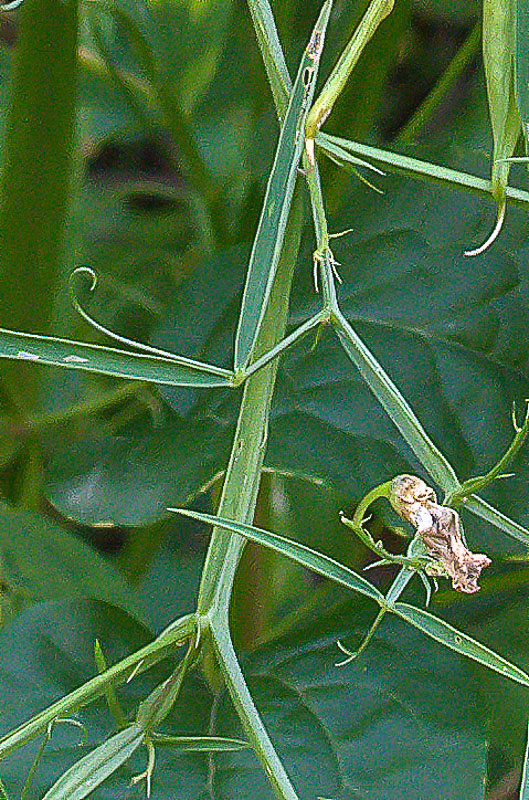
[323, 258]
[473, 485]
[376, 12]
[37, 175]
[243, 474]
[444, 85]
[356, 525]
[248, 713]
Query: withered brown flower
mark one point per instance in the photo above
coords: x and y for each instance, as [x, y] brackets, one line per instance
[440, 530]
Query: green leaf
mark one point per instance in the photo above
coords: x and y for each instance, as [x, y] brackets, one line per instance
[500, 521]
[397, 408]
[73, 568]
[52, 351]
[459, 642]
[522, 63]
[89, 772]
[351, 152]
[317, 562]
[368, 729]
[270, 233]
[498, 617]
[452, 340]
[200, 744]
[327, 722]
[135, 477]
[272, 53]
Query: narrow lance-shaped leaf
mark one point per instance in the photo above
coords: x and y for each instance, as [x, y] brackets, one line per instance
[459, 642]
[272, 223]
[311, 559]
[89, 772]
[199, 744]
[52, 351]
[498, 60]
[490, 514]
[271, 50]
[414, 167]
[396, 406]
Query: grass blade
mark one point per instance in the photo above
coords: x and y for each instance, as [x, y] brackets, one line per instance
[89, 772]
[311, 559]
[278, 198]
[396, 406]
[52, 351]
[490, 514]
[395, 162]
[459, 642]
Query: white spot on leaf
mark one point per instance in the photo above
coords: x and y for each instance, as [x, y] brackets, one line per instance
[23, 354]
[75, 360]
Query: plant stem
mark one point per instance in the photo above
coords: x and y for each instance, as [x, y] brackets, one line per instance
[459, 63]
[480, 482]
[241, 484]
[376, 12]
[249, 716]
[36, 183]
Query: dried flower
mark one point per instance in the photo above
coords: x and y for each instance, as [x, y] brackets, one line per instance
[440, 530]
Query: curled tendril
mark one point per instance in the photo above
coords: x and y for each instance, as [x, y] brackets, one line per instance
[89, 272]
[493, 235]
[147, 774]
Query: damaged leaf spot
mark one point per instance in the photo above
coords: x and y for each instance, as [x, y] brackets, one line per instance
[440, 530]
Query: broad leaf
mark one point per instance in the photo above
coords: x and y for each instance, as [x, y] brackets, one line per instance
[327, 722]
[40, 560]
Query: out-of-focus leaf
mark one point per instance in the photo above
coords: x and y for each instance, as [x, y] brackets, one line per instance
[134, 477]
[40, 560]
